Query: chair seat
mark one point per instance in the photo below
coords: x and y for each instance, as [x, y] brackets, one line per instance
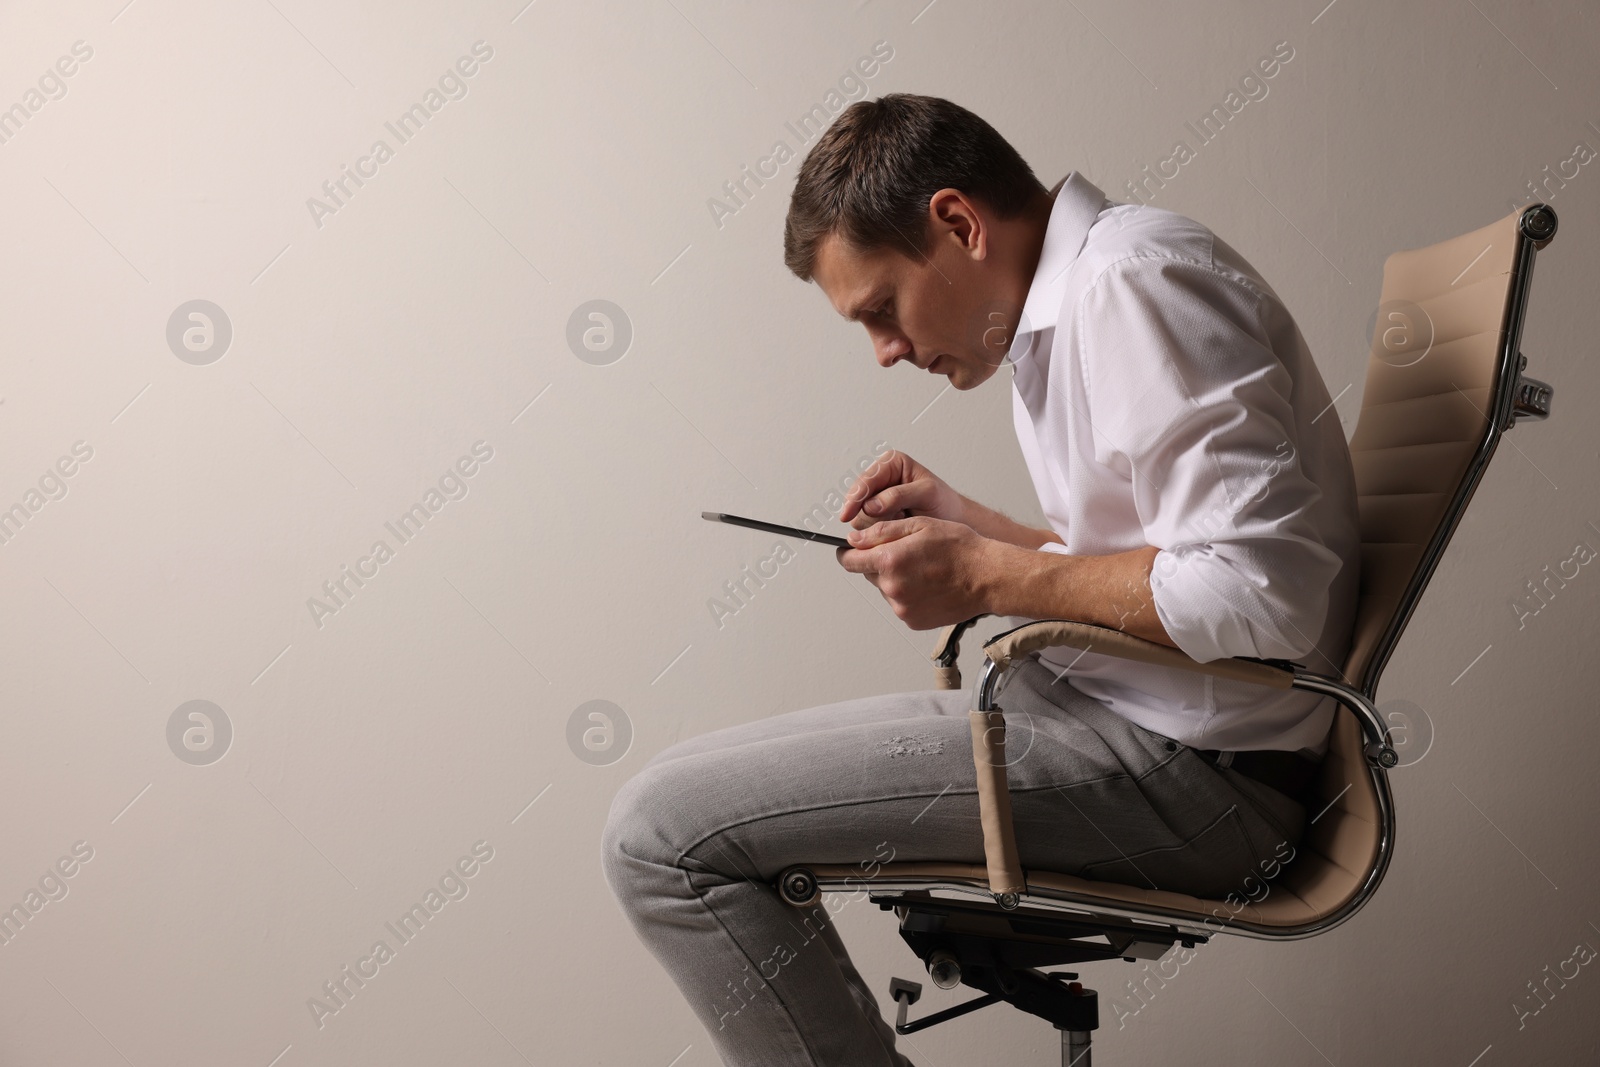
[1282, 906]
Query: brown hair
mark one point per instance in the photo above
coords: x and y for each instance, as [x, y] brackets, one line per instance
[870, 175]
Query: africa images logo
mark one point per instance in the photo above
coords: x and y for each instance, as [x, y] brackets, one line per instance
[452, 85]
[851, 86]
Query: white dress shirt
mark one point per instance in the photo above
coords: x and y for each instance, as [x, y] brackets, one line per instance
[1165, 397]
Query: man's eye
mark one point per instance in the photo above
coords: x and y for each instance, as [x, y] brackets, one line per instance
[887, 309]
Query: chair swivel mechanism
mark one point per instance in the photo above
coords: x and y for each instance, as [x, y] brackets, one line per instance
[1444, 381]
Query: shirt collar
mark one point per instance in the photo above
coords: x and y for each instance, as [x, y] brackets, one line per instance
[1078, 203]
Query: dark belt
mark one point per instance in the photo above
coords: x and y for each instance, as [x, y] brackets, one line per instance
[1288, 772]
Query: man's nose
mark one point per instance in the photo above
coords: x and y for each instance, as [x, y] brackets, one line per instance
[890, 347]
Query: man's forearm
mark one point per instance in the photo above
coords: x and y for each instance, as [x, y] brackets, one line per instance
[1111, 591]
[995, 526]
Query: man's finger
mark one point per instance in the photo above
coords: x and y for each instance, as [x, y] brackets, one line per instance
[880, 533]
[885, 503]
[857, 561]
[879, 476]
[851, 559]
[894, 502]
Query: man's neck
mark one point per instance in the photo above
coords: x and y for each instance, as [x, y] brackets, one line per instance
[1038, 221]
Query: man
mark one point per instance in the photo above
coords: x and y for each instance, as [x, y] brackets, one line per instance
[1173, 424]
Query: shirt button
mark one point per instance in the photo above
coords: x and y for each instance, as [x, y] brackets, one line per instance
[1172, 746]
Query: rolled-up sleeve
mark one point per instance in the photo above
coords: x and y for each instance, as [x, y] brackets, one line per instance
[1188, 401]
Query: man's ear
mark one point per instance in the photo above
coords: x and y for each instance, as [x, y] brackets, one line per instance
[955, 216]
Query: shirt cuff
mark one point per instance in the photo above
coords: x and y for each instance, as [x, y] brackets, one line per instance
[1191, 591]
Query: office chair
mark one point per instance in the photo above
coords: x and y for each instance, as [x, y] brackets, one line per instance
[1444, 381]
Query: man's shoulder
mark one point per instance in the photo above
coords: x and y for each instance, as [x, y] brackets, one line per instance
[1133, 239]
[1126, 232]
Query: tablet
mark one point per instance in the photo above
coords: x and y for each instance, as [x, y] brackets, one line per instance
[772, 527]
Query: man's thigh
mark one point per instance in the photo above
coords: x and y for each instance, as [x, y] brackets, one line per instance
[860, 780]
[891, 777]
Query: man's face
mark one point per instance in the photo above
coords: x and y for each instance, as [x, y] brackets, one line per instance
[936, 311]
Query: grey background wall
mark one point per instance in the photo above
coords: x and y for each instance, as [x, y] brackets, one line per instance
[347, 757]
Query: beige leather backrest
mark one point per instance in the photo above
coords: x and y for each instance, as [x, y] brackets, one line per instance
[1425, 411]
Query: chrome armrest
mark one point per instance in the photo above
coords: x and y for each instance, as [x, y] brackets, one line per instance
[1007, 647]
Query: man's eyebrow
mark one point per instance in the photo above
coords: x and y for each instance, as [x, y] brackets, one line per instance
[872, 299]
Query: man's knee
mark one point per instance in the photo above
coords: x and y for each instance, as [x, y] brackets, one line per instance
[639, 831]
[620, 840]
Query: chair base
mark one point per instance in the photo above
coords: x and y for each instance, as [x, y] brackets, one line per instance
[1001, 953]
[1075, 1050]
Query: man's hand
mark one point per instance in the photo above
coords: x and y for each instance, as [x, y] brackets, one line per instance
[898, 487]
[934, 572]
[931, 571]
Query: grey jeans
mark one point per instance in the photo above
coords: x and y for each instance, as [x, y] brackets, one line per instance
[694, 840]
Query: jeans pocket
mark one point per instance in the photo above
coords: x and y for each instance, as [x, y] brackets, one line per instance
[1212, 864]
